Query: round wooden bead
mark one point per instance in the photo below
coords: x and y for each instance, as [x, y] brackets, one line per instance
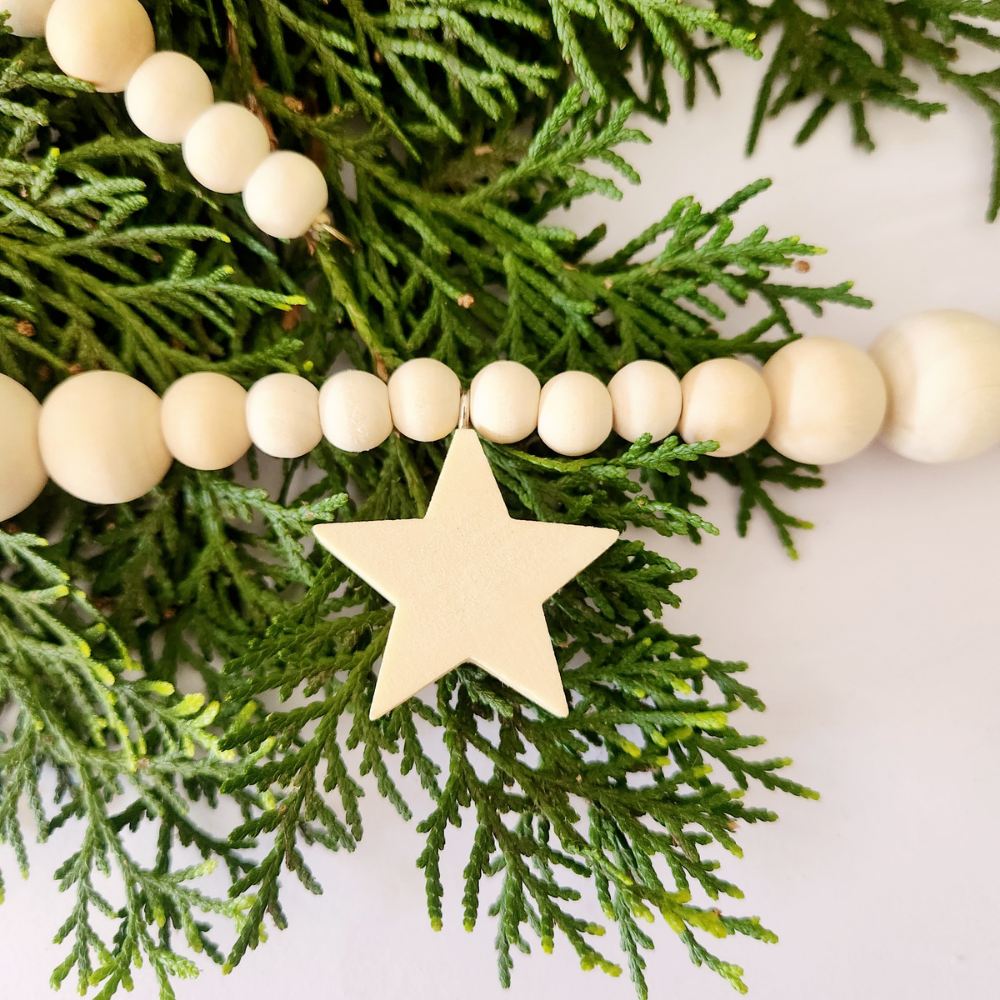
[224, 146]
[283, 415]
[354, 411]
[503, 402]
[574, 413]
[204, 421]
[646, 399]
[22, 474]
[100, 437]
[285, 195]
[727, 401]
[424, 397]
[828, 400]
[101, 41]
[166, 94]
[942, 373]
[27, 17]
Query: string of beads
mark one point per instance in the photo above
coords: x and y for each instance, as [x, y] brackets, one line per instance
[169, 97]
[930, 387]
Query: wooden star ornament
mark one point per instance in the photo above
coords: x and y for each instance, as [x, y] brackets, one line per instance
[468, 582]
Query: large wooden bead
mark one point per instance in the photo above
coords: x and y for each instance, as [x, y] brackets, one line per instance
[283, 415]
[942, 372]
[100, 437]
[101, 41]
[424, 397]
[285, 195]
[727, 401]
[354, 411]
[646, 399]
[27, 17]
[503, 402]
[22, 474]
[166, 95]
[204, 421]
[224, 146]
[828, 400]
[574, 413]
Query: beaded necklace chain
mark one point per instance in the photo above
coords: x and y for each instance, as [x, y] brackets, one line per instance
[929, 388]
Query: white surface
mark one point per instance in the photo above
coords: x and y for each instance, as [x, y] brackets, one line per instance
[876, 653]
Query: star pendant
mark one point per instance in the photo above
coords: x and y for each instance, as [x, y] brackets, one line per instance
[468, 582]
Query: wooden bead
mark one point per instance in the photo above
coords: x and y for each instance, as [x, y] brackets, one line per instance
[942, 373]
[27, 17]
[101, 41]
[283, 415]
[503, 402]
[285, 195]
[22, 474]
[827, 398]
[166, 94]
[100, 437]
[424, 397]
[646, 399]
[574, 413]
[727, 401]
[204, 421]
[354, 411]
[224, 146]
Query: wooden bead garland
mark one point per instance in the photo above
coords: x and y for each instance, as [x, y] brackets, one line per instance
[354, 411]
[283, 415]
[106, 438]
[646, 399]
[166, 95]
[727, 401]
[100, 437]
[22, 474]
[574, 413]
[942, 372]
[503, 402]
[204, 421]
[110, 44]
[101, 41]
[828, 400]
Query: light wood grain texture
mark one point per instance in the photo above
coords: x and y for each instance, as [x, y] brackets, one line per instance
[468, 582]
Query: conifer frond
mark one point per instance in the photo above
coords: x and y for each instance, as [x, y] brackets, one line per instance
[853, 55]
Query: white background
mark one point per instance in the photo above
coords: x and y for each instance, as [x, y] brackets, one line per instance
[876, 652]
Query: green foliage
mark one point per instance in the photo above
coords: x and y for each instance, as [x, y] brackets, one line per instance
[853, 55]
[451, 134]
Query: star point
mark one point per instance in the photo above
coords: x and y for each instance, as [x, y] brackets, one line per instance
[468, 582]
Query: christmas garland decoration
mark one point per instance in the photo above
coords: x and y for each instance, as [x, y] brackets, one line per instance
[447, 134]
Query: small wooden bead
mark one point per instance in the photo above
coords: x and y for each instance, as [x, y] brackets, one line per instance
[425, 397]
[224, 146]
[942, 373]
[503, 402]
[283, 415]
[646, 399]
[100, 437]
[22, 474]
[166, 95]
[204, 421]
[27, 17]
[354, 411]
[574, 413]
[828, 400]
[285, 195]
[727, 401]
[101, 41]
